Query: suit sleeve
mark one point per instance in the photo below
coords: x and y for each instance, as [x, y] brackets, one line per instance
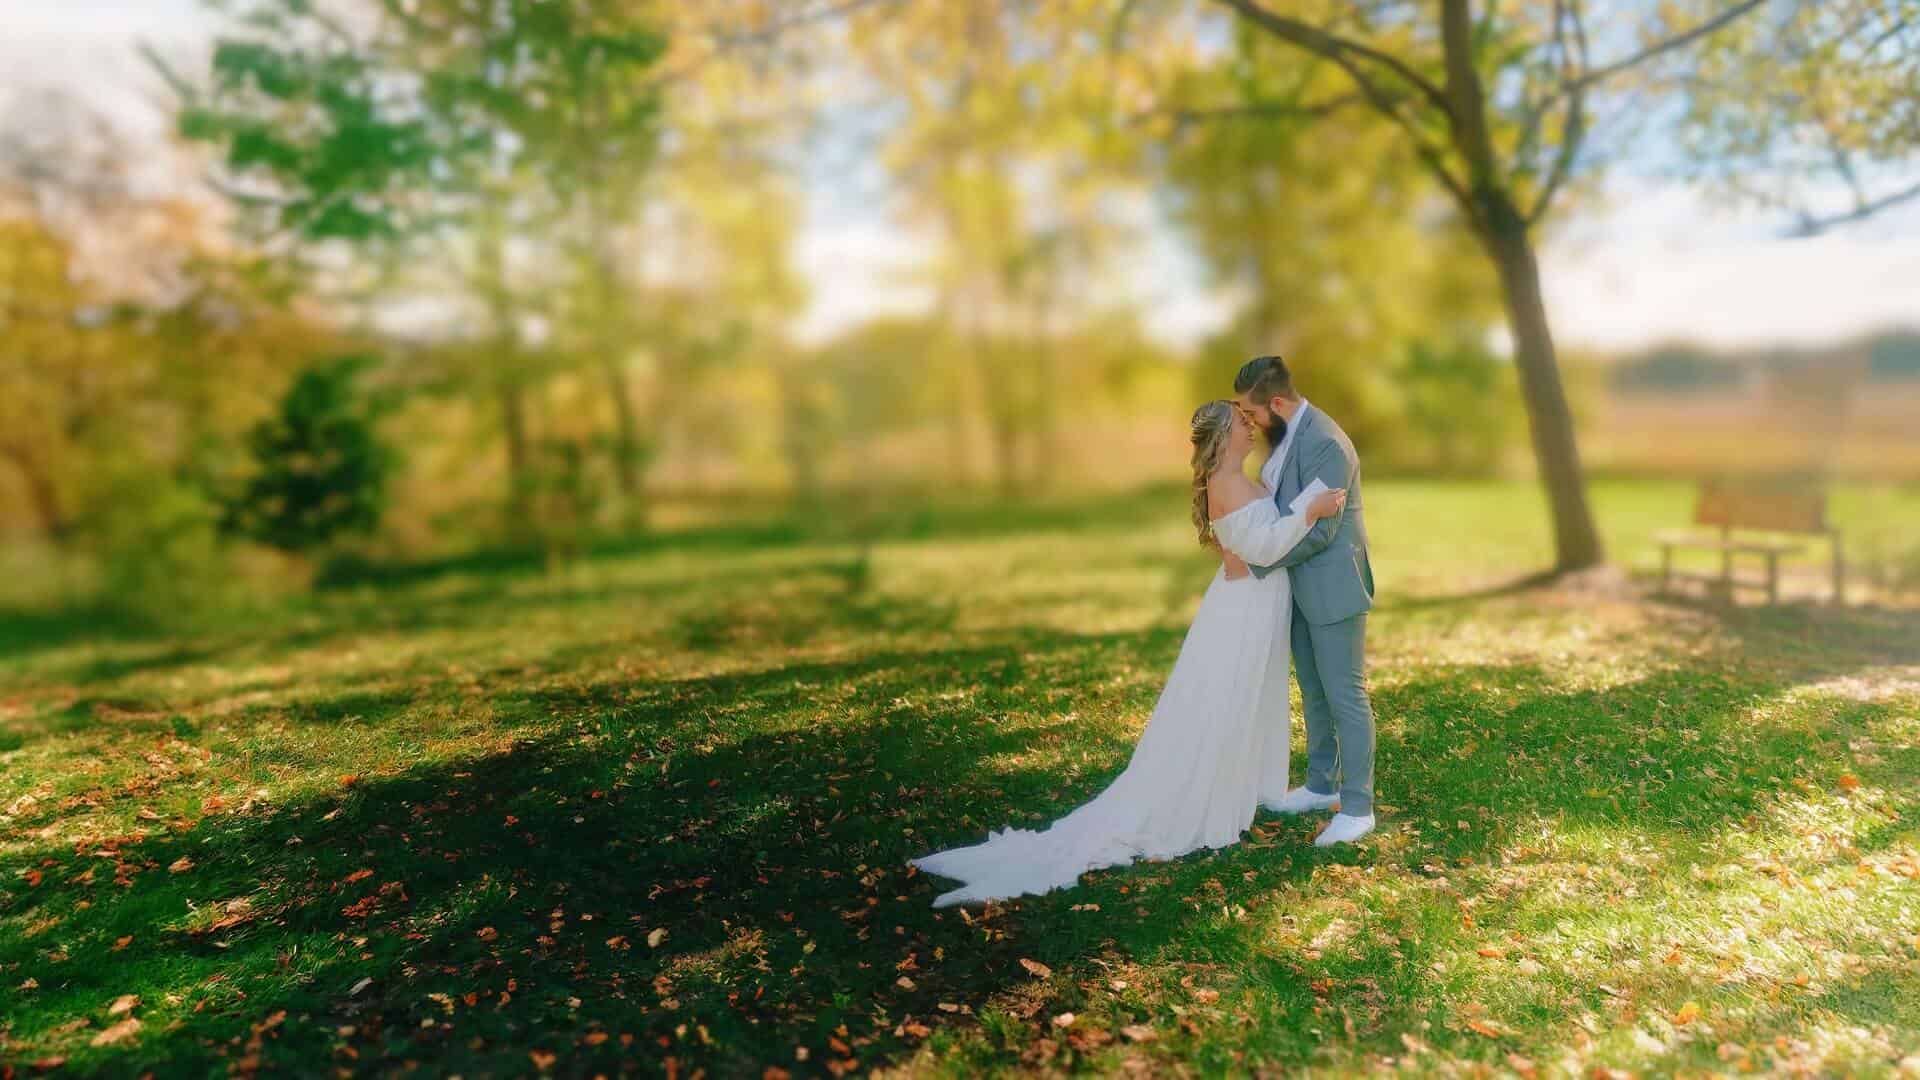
[1333, 468]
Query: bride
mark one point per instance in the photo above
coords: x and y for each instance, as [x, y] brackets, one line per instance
[1217, 742]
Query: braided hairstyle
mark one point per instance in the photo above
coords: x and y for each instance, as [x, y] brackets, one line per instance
[1212, 431]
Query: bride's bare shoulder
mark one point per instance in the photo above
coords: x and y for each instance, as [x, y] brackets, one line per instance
[1230, 492]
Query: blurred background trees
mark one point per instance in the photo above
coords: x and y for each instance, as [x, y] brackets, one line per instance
[577, 243]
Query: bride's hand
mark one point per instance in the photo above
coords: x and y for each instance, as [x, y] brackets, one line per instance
[1327, 504]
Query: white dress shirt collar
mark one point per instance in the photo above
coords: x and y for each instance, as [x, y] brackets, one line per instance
[1270, 472]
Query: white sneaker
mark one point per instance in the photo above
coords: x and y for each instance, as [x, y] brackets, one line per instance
[1344, 829]
[1300, 801]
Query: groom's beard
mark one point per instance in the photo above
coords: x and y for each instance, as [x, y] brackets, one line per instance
[1274, 431]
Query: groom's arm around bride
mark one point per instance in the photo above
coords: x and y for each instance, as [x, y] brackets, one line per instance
[1336, 466]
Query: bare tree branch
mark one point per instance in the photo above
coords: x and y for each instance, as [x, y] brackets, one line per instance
[774, 29]
[1348, 56]
[1810, 225]
[1591, 76]
[1258, 109]
[1333, 47]
[1574, 132]
[1466, 100]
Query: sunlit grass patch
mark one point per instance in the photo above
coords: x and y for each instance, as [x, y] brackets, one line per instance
[658, 805]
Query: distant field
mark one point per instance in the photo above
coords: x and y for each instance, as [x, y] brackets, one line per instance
[649, 814]
[1872, 434]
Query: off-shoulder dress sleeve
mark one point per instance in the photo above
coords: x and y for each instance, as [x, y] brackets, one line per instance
[1259, 533]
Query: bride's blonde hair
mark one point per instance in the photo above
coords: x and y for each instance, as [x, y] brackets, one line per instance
[1212, 431]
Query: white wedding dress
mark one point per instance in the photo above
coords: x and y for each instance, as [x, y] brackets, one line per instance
[1214, 748]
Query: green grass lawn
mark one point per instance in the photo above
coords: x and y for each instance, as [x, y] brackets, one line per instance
[650, 814]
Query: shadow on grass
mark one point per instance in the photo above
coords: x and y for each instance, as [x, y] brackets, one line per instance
[1815, 635]
[766, 844]
[713, 868]
[792, 524]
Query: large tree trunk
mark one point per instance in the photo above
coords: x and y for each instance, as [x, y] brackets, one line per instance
[1575, 540]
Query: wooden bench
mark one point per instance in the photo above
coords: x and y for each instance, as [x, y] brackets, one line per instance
[1751, 516]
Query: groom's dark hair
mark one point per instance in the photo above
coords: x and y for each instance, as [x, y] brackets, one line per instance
[1267, 377]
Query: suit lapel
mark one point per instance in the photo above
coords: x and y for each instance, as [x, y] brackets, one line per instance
[1287, 464]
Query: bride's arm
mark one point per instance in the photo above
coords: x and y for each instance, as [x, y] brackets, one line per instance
[1261, 539]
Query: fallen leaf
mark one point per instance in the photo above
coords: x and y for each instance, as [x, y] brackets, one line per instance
[118, 1033]
[1035, 968]
[1688, 1013]
[655, 936]
[1523, 1066]
[1138, 1032]
[1849, 782]
[180, 865]
[541, 1059]
[1065, 1019]
[123, 1004]
[121, 943]
[1485, 1028]
[486, 933]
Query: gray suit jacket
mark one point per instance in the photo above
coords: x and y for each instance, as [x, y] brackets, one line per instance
[1332, 578]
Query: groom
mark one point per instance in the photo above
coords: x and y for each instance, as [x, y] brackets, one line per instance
[1332, 592]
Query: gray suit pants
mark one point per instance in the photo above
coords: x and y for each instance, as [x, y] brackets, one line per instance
[1330, 663]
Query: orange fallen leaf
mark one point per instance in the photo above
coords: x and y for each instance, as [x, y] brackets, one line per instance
[350, 779]
[486, 933]
[118, 1033]
[123, 1004]
[542, 1059]
[1485, 1028]
[1688, 1013]
[1849, 782]
[1035, 968]
[121, 943]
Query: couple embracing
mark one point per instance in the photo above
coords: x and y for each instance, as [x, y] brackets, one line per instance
[1294, 579]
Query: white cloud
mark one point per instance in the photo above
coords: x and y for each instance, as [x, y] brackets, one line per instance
[1663, 263]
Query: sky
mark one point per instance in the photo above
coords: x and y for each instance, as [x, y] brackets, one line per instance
[1652, 261]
